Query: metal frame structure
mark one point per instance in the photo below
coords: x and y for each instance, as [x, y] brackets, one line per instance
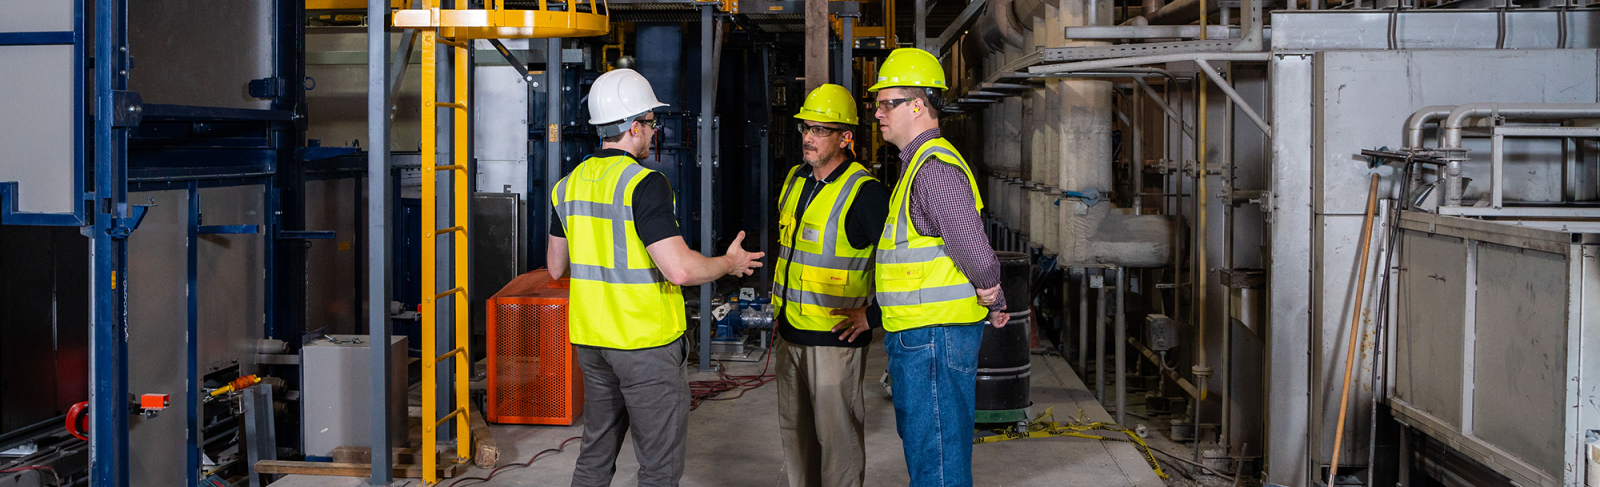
[457, 27]
[9, 213]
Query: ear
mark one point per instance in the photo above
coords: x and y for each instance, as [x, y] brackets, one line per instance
[848, 140]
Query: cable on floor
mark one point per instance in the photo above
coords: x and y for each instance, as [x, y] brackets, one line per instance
[711, 390]
[530, 461]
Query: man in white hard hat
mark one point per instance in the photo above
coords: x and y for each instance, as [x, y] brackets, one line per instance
[619, 239]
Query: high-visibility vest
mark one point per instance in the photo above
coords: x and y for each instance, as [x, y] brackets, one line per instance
[619, 298]
[817, 269]
[917, 283]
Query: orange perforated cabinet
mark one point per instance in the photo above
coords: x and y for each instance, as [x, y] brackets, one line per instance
[533, 370]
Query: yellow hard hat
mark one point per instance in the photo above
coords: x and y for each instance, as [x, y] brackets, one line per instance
[910, 67]
[829, 103]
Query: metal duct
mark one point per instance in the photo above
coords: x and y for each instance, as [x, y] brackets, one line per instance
[1181, 12]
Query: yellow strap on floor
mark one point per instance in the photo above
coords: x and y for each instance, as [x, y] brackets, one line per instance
[1044, 427]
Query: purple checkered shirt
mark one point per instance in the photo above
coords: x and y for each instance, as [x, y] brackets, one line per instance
[942, 206]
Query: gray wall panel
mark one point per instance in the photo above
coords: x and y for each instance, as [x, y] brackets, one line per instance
[231, 280]
[201, 52]
[333, 277]
[37, 150]
[1431, 320]
[1290, 234]
[1521, 353]
[35, 16]
[158, 321]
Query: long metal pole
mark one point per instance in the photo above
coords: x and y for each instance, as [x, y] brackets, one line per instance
[847, 44]
[378, 238]
[552, 115]
[108, 427]
[1122, 345]
[708, 100]
[1100, 342]
[1083, 321]
[919, 25]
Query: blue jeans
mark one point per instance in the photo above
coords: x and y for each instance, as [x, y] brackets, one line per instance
[935, 371]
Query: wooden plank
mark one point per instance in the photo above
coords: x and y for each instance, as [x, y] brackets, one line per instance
[284, 467]
[362, 454]
[488, 453]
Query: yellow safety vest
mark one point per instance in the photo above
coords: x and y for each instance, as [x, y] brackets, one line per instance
[620, 299]
[918, 284]
[817, 269]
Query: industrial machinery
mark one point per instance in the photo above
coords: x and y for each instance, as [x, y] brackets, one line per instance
[533, 375]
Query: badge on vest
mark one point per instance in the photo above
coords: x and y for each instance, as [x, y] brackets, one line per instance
[811, 233]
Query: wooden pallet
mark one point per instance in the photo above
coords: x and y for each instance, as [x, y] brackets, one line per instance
[284, 467]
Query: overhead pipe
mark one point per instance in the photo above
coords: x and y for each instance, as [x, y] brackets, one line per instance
[1420, 119]
[1450, 131]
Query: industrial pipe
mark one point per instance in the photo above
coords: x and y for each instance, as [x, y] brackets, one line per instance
[1420, 119]
[1355, 325]
[1451, 136]
[1450, 131]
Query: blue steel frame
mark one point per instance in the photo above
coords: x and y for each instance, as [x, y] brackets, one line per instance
[107, 210]
[8, 190]
[108, 441]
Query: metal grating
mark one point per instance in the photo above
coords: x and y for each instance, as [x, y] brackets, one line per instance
[529, 336]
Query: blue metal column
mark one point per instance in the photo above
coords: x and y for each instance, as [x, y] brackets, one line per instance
[378, 237]
[108, 396]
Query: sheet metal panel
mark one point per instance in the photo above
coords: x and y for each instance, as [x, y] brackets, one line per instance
[1428, 339]
[200, 54]
[1289, 232]
[230, 280]
[158, 322]
[1526, 30]
[36, 16]
[39, 148]
[337, 92]
[44, 328]
[497, 250]
[1519, 395]
[501, 135]
[334, 281]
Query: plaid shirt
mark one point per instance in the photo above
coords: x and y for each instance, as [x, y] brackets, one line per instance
[942, 206]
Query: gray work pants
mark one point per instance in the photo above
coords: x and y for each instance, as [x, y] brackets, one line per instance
[642, 391]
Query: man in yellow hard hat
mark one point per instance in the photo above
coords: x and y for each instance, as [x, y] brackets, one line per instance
[832, 212]
[937, 278]
[618, 237]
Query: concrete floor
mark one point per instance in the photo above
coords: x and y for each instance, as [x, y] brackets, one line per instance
[735, 444]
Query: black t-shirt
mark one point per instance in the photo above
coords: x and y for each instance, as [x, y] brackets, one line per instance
[863, 224]
[653, 215]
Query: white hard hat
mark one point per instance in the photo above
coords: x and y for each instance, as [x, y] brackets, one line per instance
[619, 94]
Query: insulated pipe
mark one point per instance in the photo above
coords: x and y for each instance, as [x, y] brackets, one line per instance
[1180, 12]
[1420, 119]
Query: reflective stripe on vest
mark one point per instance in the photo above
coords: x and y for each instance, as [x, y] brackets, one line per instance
[828, 274]
[628, 303]
[917, 283]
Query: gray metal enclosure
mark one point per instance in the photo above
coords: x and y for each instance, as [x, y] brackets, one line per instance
[1495, 341]
[1350, 94]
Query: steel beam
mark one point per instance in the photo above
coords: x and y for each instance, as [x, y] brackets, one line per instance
[1234, 95]
[959, 26]
[108, 397]
[378, 103]
[708, 106]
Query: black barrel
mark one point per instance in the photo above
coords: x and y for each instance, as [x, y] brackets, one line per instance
[1003, 361]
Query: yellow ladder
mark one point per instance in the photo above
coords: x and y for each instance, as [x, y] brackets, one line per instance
[455, 28]
[430, 41]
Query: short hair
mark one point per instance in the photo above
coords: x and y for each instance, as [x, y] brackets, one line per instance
[612, 139]
[931, 97]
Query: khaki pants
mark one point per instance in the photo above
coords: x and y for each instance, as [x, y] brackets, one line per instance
[820, 413]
